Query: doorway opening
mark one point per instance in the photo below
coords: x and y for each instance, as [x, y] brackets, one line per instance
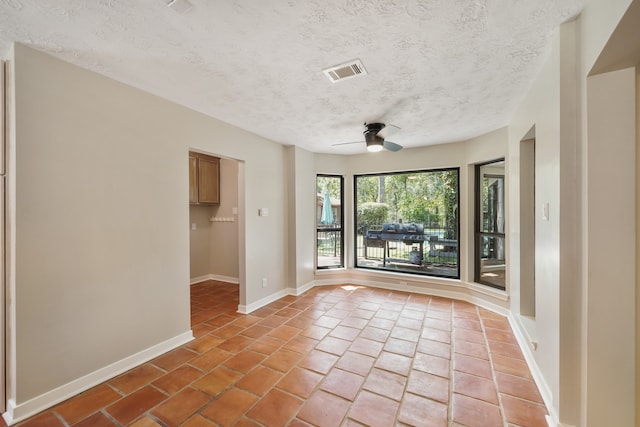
[216, 245]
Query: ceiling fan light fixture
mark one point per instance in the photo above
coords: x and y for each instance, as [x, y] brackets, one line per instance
[374, 143]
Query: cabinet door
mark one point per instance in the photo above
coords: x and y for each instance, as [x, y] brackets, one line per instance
[208, 180]
[193, 180]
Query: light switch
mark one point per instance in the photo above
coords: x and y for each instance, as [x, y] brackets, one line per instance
[545, 211]
[193, 226]
[263, 212]
[234, 211]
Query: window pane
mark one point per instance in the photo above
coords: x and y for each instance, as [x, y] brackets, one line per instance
[329, 249]
[492, 261]
[408, 222]
[490, 224]
[329, 238]
[492, 213]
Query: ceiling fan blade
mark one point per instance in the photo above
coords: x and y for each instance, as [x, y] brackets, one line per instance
[347, 143]
[391, 146]
[388, 130]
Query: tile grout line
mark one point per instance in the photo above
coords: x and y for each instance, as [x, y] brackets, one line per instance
[493, 371]
[452, 347]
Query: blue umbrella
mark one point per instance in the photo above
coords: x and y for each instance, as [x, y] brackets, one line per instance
[327, 213]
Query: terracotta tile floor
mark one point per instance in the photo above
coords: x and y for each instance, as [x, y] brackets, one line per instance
[335, 356]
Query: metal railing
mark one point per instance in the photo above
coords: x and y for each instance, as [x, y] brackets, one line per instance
[437, 249]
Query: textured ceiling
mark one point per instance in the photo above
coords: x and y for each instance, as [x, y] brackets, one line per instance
[442, 70]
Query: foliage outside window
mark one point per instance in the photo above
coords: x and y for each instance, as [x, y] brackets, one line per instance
[490, 251]
[329, 220]
[408, 222]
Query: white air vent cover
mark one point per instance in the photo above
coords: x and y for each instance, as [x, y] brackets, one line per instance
[180, 6]
[345, 71]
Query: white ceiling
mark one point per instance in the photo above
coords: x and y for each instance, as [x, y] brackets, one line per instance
[442, 70]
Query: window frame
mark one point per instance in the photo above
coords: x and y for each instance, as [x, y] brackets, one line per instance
[478, 233]
[416, 171]
[332, 229]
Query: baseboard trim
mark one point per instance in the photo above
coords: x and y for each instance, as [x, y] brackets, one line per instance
[524, 342]
[216, 277]
[448, 293]
[246, 309]
[301, 289]
[19, 412]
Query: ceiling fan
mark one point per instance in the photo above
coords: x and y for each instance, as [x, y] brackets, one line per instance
[374, 137]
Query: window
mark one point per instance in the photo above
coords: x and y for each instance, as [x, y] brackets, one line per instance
[408, 222]
[329, 236]
[490, 251]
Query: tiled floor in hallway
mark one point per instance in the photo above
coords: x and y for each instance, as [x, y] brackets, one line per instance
[335, 356]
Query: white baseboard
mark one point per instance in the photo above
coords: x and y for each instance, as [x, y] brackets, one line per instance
[301, 289]
[463, 294]
[524, 342]
[246, 309]
[217, 277]
[19, 411]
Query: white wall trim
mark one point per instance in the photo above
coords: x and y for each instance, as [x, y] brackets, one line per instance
[445, 293]
[525, 344]
[18, 412]
[217, 277]
[246, 309]
[302, 289]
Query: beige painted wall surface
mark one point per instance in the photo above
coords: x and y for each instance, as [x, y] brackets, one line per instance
[200, 241]
[102, 219]
[224, 235]
[541, 107]
[637, 308]
[101, 239]
[611, 294]
[301, 184]
[556, 106]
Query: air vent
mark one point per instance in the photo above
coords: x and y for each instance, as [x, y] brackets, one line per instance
[180, 6]
[345, 71]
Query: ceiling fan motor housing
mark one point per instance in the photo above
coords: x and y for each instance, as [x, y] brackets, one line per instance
[374, 142]
[373, 128]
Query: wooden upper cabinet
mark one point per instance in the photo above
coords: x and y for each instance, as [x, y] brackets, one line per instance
[204, 179]
[193, 179]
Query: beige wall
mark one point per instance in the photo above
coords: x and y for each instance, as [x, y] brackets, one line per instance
[637, 261]
[301, 230]
[200, 241]
[99, 191]
[610, 307]
[572, 164]
[540, 108]
[224, 235]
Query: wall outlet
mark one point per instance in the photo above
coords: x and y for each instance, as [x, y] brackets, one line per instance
[193, 226]
[264, 282]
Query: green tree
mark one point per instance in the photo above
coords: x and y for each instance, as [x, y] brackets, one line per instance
[450, 181]
[367, 189]
[372, 214]
[331, 183]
